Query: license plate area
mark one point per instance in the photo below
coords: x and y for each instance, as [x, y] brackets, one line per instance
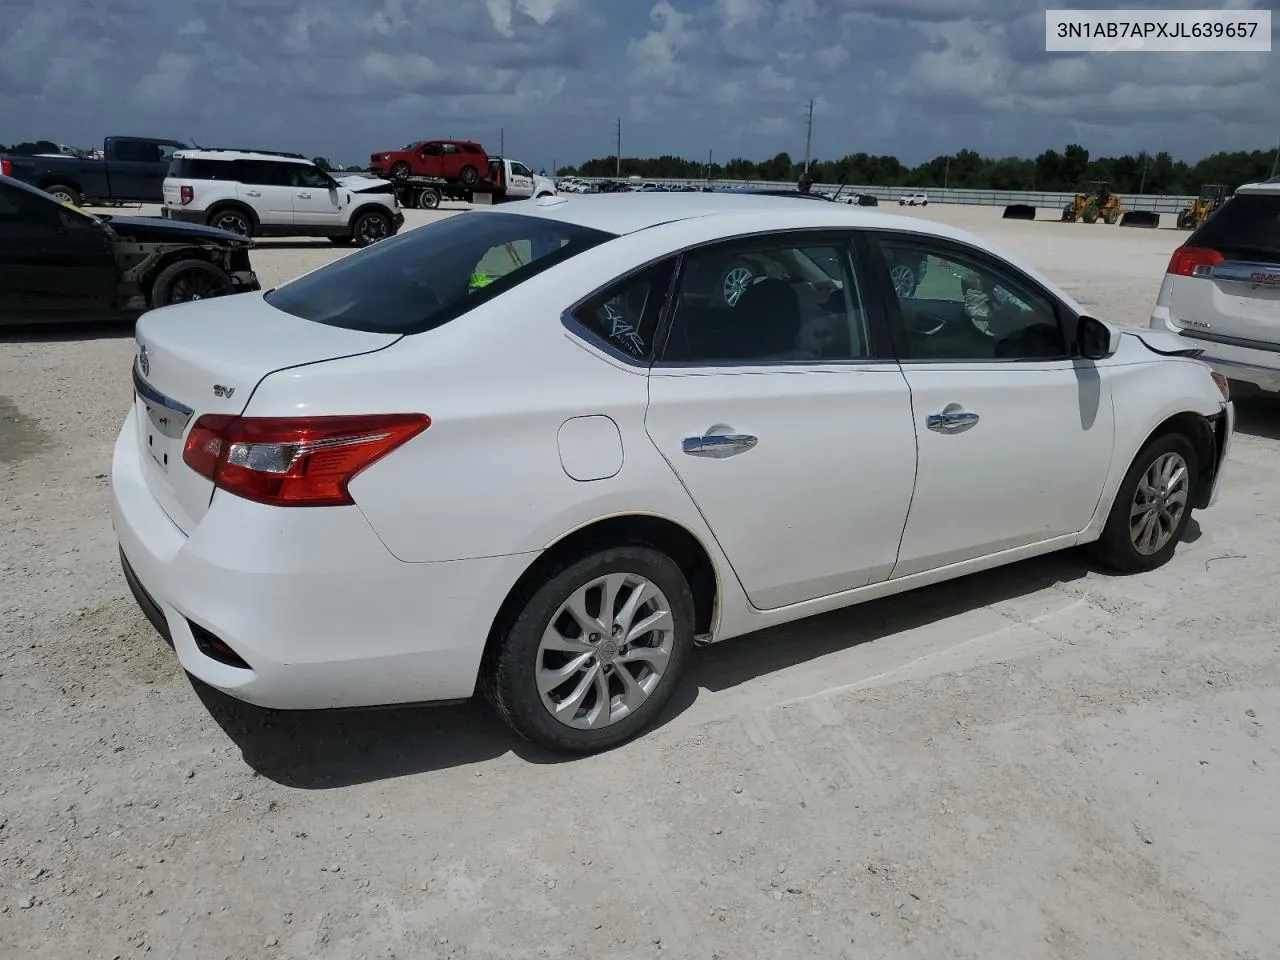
[162, 424]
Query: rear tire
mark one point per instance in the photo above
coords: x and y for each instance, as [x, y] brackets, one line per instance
[469, 175]
[189, 280]
[233, 220]
[1142, 506]
[523, 664]
[65, 194]
[429, 198]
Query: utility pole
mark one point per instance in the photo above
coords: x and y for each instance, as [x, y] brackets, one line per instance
[946, 174]
[808, 137]
[1275, 158]
[1142, 184]
[709, 154]
[502, 137]
[617, 156]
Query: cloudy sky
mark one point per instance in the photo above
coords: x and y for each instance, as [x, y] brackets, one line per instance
[340, 78]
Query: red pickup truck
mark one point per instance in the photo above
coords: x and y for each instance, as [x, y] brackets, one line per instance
[463, 160]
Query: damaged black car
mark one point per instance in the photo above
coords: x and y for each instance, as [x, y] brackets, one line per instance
[60, 263]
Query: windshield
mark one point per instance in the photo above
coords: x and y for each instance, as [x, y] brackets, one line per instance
[427, 276]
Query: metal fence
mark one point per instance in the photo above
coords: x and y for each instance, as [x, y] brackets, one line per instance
[1154, 203]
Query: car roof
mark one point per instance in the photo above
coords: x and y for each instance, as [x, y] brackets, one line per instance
[1270, 186]
[236, 155]
[622, 213]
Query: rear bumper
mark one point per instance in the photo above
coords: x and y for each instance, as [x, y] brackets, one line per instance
[1257, 366]
[313, 602]
[180, 215]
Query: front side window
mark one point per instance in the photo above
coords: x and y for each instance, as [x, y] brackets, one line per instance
[301, 175]
[426, 277]
[960, 305]
[770, 300]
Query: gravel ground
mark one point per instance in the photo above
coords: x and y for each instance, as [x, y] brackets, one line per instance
[1042, 761]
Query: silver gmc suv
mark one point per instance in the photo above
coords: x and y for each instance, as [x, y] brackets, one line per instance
[1222, 288]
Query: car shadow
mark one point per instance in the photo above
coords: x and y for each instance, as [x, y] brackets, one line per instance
[319, 750]
[266, 243]
[62, 332]
[1257, 414]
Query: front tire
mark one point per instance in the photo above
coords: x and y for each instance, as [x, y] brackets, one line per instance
[1152, 507]
[189, 280]
[400, 171]
[369, 227]
[596, 653]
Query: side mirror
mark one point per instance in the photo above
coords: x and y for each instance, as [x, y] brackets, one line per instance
[1095, 339]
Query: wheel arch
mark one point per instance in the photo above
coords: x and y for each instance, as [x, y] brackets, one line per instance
[147, 282]
[368, 205]
[46, 182]
[651, 530]
[238, 205]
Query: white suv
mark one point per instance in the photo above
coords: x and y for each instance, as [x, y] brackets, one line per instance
[914, 200]
[278, 195]
[1222, 288]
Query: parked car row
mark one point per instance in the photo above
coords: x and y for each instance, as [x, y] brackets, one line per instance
[59, 262]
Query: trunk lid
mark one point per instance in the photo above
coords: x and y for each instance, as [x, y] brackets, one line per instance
[208, 357]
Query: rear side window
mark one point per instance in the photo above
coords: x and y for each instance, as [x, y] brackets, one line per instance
[198, 168]
[423, 278]
[1246, 226]
[263, 173]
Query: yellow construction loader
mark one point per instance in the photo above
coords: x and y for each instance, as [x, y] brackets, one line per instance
[1211, 197]
[1096, 203]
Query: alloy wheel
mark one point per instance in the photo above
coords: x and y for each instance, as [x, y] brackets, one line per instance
[735, 284]
[1159, 503]
[605, 651]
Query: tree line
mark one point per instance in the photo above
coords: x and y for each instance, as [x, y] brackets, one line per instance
[1051, 171]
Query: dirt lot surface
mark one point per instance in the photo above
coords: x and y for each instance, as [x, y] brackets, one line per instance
[1042, 761]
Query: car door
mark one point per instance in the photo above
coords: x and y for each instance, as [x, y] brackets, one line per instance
[55, 262]
[1014, 431]
[777, 403]
[521, 182]
[431, 160]
[265, 185]
[317, 200]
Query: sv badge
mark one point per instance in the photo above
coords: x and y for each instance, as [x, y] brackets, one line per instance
[220, 391]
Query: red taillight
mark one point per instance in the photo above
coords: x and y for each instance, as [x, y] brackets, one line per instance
[1193, 261]
[6, 168]
[186, 193]
[294, 461]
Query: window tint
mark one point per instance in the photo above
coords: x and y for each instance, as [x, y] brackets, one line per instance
[450, 148]
[1247, 225]
[432, 150]
[262, 173]
[138, 151]
[959, 306]
[768, 301]
[625, 314]
[189, 168]
[426, 277]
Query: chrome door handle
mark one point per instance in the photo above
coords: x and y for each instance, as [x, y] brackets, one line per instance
[718, 446]
[951, 420]
[253, 193]
[305, 196]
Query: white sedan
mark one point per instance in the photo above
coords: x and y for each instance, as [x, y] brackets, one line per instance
[545, 449]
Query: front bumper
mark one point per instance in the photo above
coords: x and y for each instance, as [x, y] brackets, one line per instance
[310, 599]
[1224, 428]
[245, 281]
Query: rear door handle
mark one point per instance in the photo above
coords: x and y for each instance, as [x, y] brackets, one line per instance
[253, 193]
[719, 446]
[951, 420]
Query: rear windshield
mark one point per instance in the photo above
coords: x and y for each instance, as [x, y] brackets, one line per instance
[425, 277]
[1246, 226]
